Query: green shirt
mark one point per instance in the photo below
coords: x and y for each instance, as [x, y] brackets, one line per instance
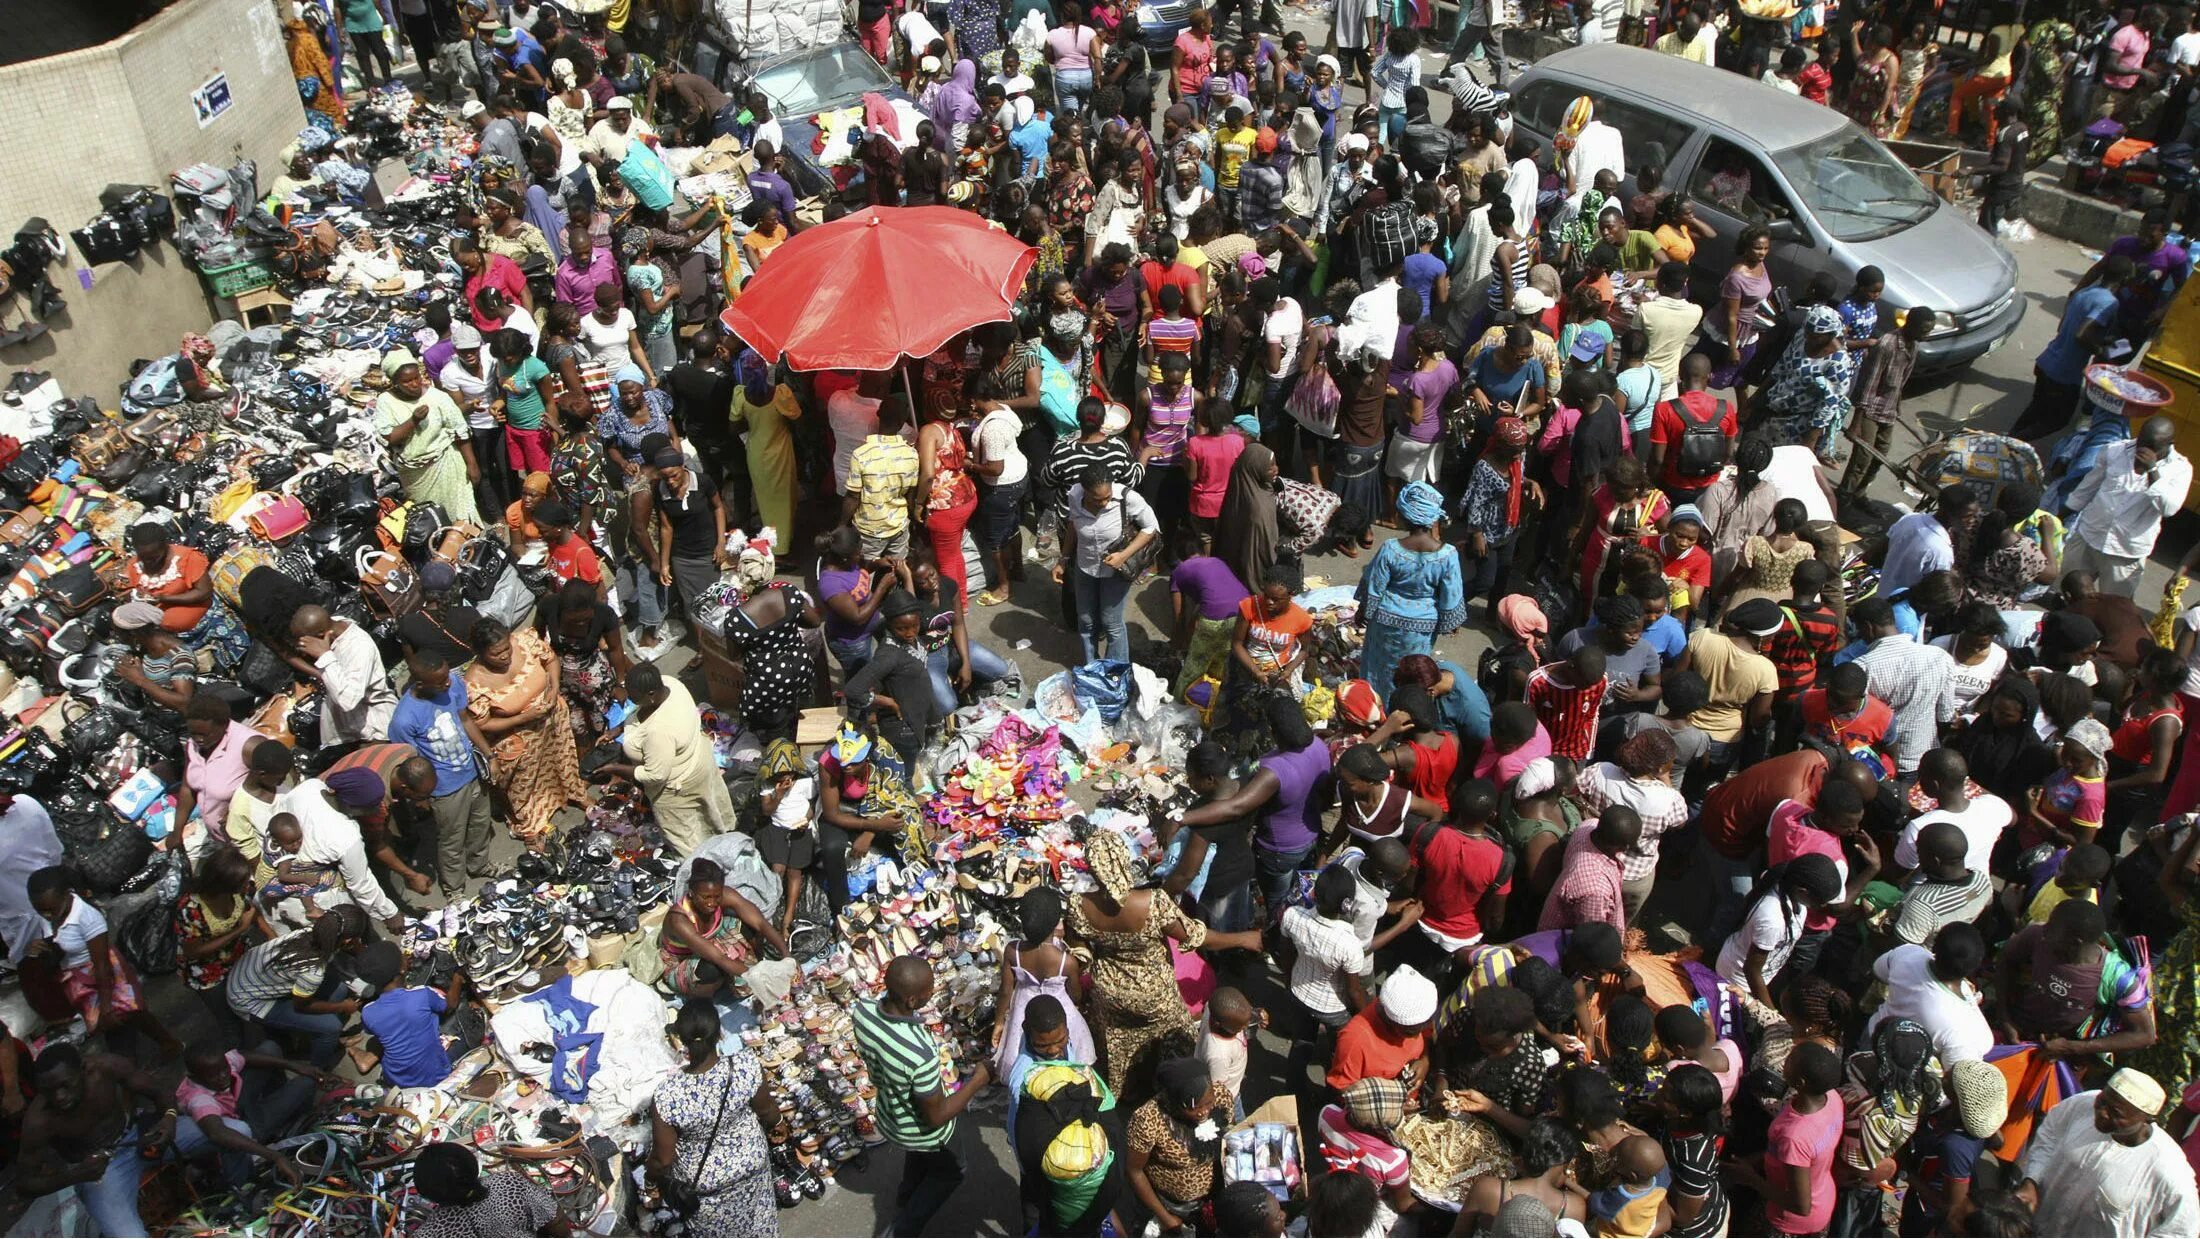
[522, 399]
[906, 1062]
[1640, 252]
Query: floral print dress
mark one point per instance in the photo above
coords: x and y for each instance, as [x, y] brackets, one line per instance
[734, 1180]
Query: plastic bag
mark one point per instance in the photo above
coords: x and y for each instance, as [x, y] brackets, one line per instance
[1104, 685]
[647, 174]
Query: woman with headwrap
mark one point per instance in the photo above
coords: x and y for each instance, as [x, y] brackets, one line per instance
[1358, 1137]
[195, 373]
[427, 439]
[568, 105]
[1140, 1015]
[1412, 591]
[769, 634]
[1807, 399]
[507, 232]
[317, 81]
[1038, 963]
[864, 803]
[1246, 534]
[954, 108]
[1890, 1087]
[637, 411]
[767, 412]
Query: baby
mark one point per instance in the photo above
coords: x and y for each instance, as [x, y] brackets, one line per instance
[1635, 1204]
[294, 878]
[788, 795]
[1226, 1039]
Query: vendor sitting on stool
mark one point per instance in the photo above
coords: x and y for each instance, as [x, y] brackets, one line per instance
[702, 948]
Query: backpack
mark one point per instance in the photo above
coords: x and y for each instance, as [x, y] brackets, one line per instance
[1701, 452]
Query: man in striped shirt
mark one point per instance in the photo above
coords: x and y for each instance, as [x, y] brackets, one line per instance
[1944, 890]
[1567, 697]
[911, 1070]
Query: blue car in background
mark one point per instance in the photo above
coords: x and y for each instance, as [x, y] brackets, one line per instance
[1159, 23]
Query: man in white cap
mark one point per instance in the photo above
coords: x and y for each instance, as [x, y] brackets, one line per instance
[1389, 1040]
[2099, 1165]
[1949, 1144]
[608, 137]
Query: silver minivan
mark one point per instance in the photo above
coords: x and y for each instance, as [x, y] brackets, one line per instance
[1833, 197]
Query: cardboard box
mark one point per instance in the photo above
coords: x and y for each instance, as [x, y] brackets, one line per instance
[1282, 1112]
[721, 679]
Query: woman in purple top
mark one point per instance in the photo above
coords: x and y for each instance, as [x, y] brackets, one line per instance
[852, 592]
[1288, 793]
[1743, 291]
[1206, 595]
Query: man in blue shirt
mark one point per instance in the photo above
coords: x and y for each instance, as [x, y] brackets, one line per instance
[431, 717]
[407, 1020]
[1033, 135]
[2088, 323]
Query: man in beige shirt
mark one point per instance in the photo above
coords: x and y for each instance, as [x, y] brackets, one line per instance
[1669, 320]
[673, 761]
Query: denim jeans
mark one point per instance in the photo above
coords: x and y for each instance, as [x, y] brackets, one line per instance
[850, 652]
[1730, 883]
[1274, 871]
[985, 667]
[326, 1031]
[1071, 88]
[650, 598]
[1100, 602]
[112, 1198]
[1394, 125]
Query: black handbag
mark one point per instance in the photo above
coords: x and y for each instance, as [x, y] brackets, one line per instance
[679, 1193]
[106, 238]
[264, 673]
[75, 589]
[105, 851]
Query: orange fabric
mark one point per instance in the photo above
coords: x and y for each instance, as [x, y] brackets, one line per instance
[186, 571]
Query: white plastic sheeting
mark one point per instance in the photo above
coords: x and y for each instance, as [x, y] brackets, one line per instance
[762, 29]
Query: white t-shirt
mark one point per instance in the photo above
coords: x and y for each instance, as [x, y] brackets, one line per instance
[853, 419]
[610, 143]
[1958, 1028]
[1770, 927]
[916, 28]
[456, 379]
[569, 151]
[1981, 822]
[1226, 1056]
[1369, 901]
[995, 439]
[1970, 683]
[75, 933]
[607, 342]
[2184, 50]
[793, 811]
[519, 320]
[1286, 323]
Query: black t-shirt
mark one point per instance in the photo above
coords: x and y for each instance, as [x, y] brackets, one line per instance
[448, 634]
[1232, 844]
[601, 620]
[702, 401]
[694, 529]
[1596, 443]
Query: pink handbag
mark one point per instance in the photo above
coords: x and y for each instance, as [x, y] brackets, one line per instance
[281, 519]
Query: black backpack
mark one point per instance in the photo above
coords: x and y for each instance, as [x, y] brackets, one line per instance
[1701, 452]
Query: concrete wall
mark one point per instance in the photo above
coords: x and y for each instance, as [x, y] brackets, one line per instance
[121, 112]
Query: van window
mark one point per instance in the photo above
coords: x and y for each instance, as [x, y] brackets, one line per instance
[1734, 182]
[1541, 106]
[1650, 140]
[1647, 137]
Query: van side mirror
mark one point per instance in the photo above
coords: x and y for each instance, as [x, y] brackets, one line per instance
[1786, 230]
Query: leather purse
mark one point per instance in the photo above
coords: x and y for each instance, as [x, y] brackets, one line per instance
[280, 520]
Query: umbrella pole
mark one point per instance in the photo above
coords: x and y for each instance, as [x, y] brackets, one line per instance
[909, 386]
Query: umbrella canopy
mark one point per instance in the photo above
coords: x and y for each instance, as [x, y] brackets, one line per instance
[882, 285]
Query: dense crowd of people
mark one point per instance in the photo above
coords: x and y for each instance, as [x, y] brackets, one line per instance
[1787, 863]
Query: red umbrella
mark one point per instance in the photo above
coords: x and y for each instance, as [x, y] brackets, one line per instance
[882, 285]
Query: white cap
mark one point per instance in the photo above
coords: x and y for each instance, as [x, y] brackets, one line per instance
[1408, 998]
[1355, 142]
[930, 64]
[619, 103]
[465, 336]
[473, 108]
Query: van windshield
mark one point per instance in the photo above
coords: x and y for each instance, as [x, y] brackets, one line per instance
[1854, 187]
[819, 79]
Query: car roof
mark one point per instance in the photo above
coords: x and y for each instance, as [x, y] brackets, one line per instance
[1733, 104]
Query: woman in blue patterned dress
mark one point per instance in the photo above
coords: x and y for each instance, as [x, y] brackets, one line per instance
[709, 1120]
[1412, 591]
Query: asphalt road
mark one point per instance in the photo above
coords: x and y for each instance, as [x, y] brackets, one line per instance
[1987, 395]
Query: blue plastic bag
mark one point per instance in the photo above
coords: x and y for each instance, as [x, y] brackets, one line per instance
[1104, 685]
[647, 175]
